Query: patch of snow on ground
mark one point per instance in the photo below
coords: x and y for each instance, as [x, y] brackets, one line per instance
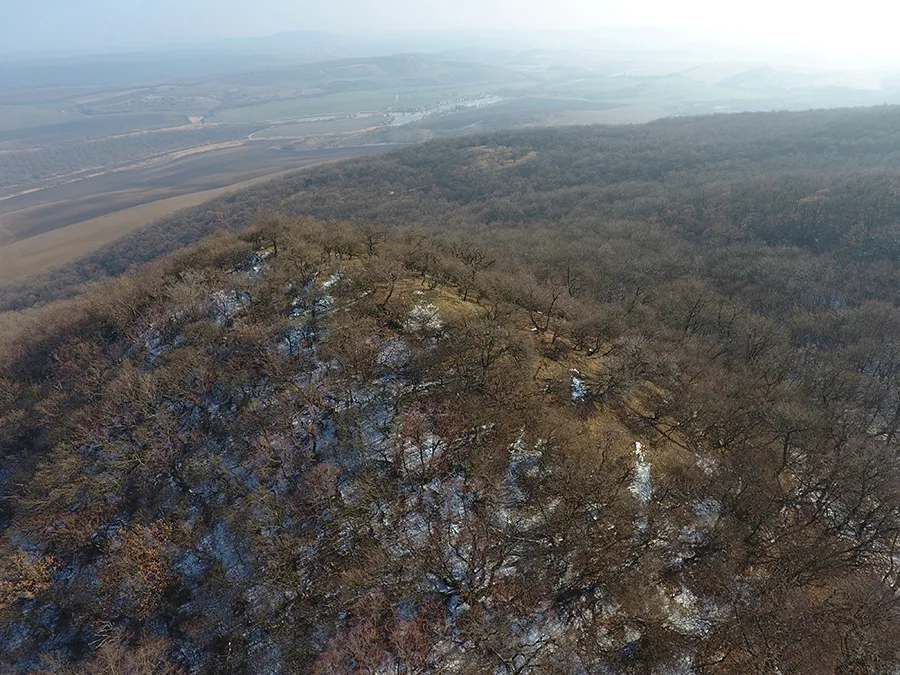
[324, 303]
[523, 461]
[220, 545]
[394, 354]
[255, 262]
[579, 388]
[707, 465]
[297, 308]
[707, 510]
[417, 458]
[683, 665]
[154, 344]
[226, 305]
[424, 317]
[641, 485]
[632, 642]
[690, 615]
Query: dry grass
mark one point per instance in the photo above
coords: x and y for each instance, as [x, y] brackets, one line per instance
[450, 307]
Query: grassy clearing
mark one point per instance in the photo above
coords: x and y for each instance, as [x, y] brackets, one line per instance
[445, 300]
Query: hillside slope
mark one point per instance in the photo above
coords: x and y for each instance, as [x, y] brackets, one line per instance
[565, 401]
[334, 448]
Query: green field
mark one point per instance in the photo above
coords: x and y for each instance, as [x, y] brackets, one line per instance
[25, 116]
[316, 128]
[347, 102]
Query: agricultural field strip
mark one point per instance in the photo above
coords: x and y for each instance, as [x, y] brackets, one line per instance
[140, 163]
[22, 257]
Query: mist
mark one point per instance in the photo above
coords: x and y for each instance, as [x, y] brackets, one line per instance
[839, 35]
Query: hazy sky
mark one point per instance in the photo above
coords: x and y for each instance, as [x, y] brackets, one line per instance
[861, 27]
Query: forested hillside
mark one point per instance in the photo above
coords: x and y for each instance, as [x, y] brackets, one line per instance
[825, 181]
[567, 401]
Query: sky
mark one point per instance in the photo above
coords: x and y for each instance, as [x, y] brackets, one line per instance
[862, 29]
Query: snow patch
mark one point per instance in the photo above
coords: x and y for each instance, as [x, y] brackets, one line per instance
[641, 485]
[690, 615]
[707, 465]
[226, 304]
[394, 354]
[254, 263]
[524, 461]
[424, 317]
[579, 389]
[417, 458]
[707, 510]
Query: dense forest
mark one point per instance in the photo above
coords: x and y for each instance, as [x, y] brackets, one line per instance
[588, 400]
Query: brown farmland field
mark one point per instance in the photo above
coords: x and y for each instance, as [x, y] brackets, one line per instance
[60, 224]
[37, 212]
